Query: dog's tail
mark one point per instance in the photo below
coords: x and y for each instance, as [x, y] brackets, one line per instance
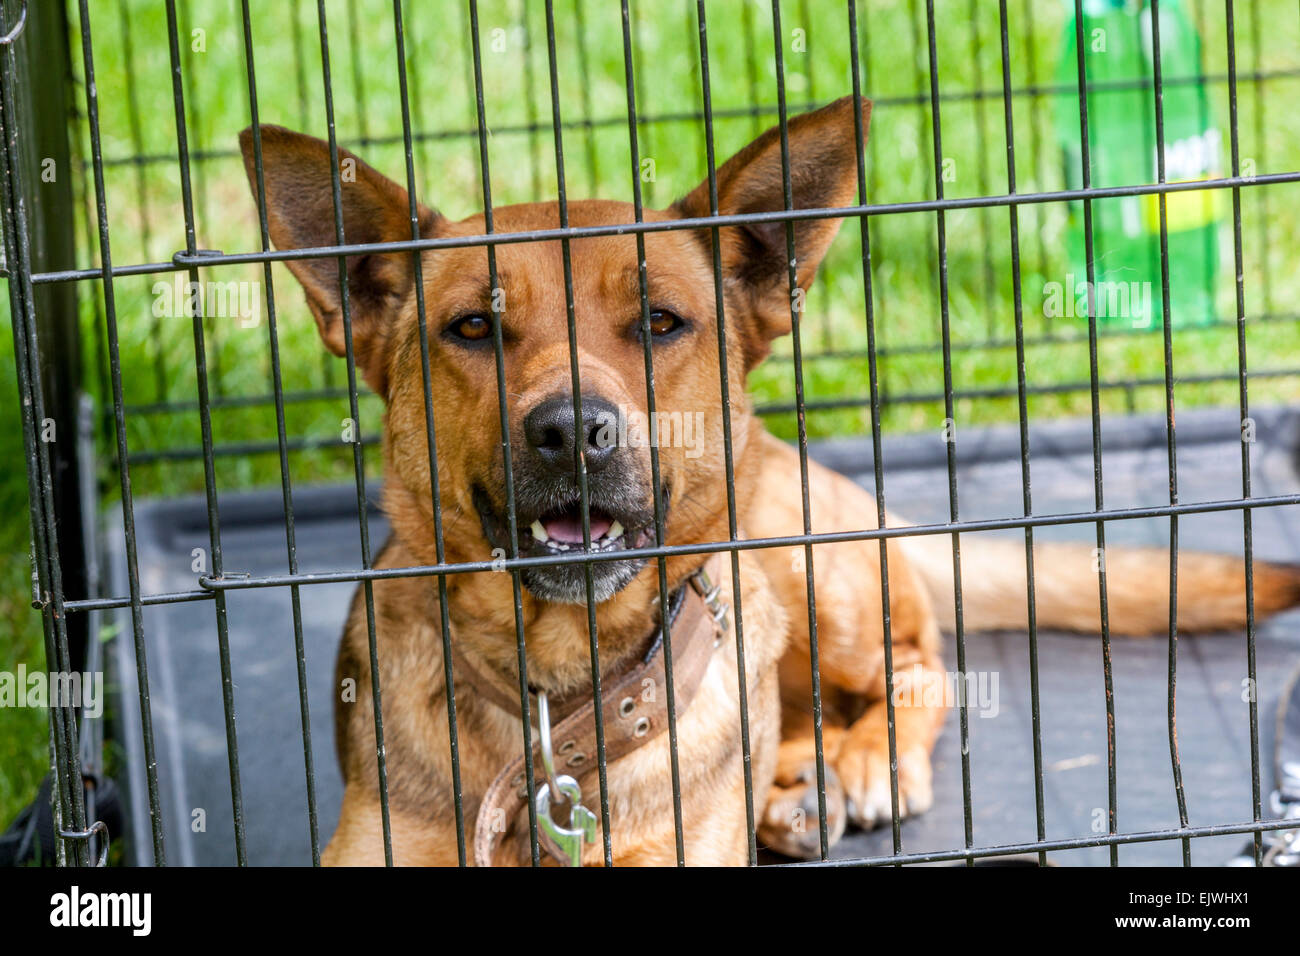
[1211, 587]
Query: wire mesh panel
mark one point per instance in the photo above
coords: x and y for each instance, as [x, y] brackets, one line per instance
[1011, 268]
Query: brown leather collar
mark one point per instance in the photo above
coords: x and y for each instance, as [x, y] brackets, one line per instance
[634, 702]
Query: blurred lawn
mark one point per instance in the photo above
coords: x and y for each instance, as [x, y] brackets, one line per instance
[147, 222]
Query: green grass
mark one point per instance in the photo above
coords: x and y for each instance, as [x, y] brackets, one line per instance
[23, 731]
[147, 221]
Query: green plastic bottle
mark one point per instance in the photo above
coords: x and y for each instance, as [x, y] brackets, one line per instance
[1117, 40]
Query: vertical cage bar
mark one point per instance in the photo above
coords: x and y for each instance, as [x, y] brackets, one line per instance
[512, 518]
[1098, 497]
[119, 427]
[421, 312]
[1013, 211]
[728, 452]
[286, 486]
[57, 790]
[579, 447]
[205, 424]
[877, 459]
[802, 419]
[358, 451]
[1171, 438]
[629, 83]
[936, 139]
[1243, 400]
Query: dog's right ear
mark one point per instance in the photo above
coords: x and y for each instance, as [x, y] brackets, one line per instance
[755, 262]
[300, 214]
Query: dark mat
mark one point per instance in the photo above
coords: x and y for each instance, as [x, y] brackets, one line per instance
[1213, 725]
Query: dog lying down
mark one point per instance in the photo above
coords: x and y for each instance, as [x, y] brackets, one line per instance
[690, 364]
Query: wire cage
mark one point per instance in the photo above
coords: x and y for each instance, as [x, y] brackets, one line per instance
[928, 314]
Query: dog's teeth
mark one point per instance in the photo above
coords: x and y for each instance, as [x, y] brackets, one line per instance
[539, 531]
[615, 531]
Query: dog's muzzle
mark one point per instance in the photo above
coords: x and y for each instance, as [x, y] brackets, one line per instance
[549, 512]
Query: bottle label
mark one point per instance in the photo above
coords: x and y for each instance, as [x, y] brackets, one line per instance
[1192, 159]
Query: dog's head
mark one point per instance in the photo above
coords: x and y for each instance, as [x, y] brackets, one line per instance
[549, 434]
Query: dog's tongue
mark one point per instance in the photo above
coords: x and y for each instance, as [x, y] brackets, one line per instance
[568, 528]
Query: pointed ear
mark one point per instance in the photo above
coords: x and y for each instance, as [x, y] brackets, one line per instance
[823, 174]
[300, 214]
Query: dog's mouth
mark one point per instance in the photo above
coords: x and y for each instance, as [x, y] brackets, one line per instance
[557, 530]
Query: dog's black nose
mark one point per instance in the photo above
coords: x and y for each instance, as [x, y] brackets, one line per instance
[550, 432]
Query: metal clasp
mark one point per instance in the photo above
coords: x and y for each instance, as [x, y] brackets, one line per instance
[564, 843]
[18, 28]
[97, 827]
[544, 732]
[719, 610]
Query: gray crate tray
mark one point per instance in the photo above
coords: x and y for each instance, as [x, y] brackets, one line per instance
[1213, 720]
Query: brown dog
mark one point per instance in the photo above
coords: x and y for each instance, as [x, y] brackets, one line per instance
[542, 436]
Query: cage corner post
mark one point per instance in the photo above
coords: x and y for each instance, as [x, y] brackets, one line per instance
[40, 238]
[42, 92]
[43, 95]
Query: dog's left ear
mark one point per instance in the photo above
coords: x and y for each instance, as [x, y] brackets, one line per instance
[823, 175]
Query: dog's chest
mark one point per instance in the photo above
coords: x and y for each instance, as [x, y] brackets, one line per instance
[708, 773]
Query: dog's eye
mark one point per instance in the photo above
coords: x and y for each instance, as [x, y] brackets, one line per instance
[470, 328]
[664, 323]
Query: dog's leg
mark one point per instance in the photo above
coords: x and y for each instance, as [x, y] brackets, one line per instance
[863, 758]
[850, 644]
[790, 821]
[856, 755]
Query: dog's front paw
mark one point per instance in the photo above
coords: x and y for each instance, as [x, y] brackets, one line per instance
[790, 823]
[865, 777]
